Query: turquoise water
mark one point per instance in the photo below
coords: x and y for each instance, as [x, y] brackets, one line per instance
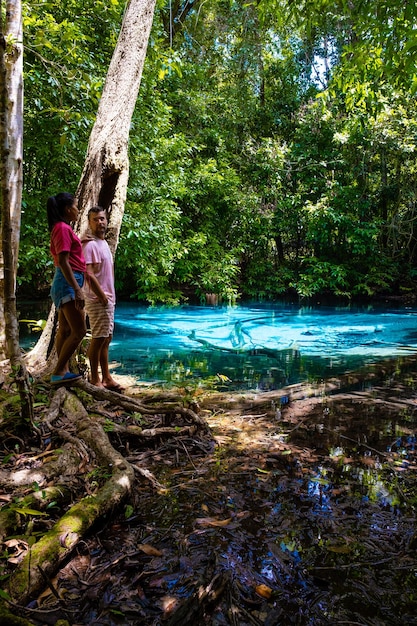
[256, 346]
[250, 346]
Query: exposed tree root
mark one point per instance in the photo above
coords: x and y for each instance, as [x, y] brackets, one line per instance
[274, 451]
[130, 404]
[87, 445]
[56, 544]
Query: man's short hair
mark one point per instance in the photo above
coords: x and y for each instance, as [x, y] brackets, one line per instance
[95, 209]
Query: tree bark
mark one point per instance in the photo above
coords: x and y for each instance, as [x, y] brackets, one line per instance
[106, 170]
[11, 128]
[11, 149]
[11, 90]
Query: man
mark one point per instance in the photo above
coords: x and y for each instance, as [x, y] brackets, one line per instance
[100, 308]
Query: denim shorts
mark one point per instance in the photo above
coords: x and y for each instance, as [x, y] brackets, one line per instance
[61, 291]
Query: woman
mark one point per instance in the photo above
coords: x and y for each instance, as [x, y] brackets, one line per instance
[66, 289]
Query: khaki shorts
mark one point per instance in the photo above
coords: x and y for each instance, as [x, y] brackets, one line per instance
[101, 319]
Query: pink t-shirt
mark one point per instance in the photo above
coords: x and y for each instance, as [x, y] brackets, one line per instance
[97, 251]
[63, 239]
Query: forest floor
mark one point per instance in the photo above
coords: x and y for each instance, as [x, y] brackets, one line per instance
[297, 506]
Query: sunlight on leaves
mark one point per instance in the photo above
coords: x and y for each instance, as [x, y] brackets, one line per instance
[149, 550]
[212, 521]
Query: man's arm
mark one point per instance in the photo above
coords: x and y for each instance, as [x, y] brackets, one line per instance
[92, 269]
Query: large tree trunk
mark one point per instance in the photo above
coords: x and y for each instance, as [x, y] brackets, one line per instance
[11, 131]
[106, 170]
[11, 159]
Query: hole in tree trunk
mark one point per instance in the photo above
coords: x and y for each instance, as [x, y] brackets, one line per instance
[107, 191]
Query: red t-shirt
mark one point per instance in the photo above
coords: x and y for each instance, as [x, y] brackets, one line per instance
[63, 239]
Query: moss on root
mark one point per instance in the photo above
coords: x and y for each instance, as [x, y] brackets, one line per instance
[8, 619]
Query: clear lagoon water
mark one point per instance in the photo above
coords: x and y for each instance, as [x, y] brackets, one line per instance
[257, 346]
[254, 346]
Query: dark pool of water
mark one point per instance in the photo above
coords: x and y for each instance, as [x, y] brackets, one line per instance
[254, 345]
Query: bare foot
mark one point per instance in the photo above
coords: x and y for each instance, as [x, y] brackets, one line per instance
[96, 384]
[109, 382]
[113, 386]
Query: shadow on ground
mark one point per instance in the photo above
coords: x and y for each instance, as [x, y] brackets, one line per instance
[298, 508]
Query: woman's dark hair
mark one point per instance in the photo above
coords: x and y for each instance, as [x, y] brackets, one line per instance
[56, 206]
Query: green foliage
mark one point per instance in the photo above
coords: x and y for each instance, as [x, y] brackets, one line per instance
[65, 63]
[35, 325]
[273, 146]
[26, 510]
[129, 510]
[321, 277]
[217, 274]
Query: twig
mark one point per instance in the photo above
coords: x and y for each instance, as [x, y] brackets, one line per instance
[50, 586]
[149, 476]
[186, 452]
[364, 445]
[358, 564]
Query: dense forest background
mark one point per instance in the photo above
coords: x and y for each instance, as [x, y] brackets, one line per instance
[272, 150]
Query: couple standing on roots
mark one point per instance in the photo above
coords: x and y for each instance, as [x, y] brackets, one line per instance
[84, 278]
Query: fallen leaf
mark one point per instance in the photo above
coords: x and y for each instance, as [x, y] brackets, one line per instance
[212, 521]
[12, 543]
[17, 550]
[169, 603]
[47, 594]
[149, 550]
[264, 591]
